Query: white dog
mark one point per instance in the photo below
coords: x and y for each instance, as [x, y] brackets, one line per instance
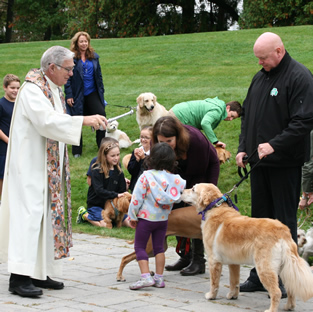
[148, 110]
[123, 139]
[301, 239]
[306, 249]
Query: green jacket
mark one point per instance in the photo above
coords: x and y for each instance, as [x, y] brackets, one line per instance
[204, 115]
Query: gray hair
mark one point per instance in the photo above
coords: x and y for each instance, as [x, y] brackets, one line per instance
[56, 55]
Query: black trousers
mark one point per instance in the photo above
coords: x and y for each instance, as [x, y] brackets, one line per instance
[92, 106]
[275, 194]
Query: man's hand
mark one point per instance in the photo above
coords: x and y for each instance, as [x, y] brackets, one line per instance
[239, 158]
[264, 150]
[96, 121]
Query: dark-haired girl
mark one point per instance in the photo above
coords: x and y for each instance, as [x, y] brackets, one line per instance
[156, 190]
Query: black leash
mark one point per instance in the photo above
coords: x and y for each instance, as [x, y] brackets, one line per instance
[246, 172]
[129, 107]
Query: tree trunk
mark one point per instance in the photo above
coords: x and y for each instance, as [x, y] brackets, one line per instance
[8, 28]
[188, 25]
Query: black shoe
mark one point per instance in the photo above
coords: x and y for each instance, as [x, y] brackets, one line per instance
[194, 268]
[48, 283]
[178, 265]
[249, 286]
[28, 290]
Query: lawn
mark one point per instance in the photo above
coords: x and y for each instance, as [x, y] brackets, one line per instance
[176, 68]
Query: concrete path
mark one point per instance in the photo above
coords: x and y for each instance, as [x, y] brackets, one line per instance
[90, 286]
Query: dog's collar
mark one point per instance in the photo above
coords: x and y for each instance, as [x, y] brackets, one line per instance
[116, 212]
[216, 203]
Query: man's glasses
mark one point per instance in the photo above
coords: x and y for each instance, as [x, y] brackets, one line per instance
[66, 68]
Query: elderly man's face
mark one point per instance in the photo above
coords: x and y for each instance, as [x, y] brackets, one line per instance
[62, 74]
[268, 58]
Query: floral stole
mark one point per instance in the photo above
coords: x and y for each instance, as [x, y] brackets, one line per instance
[62, 234]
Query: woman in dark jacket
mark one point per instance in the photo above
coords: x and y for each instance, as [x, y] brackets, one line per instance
[84, 90]
[197, 163]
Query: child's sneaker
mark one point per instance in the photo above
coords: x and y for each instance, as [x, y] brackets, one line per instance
[159, 282]
[143, 282]
[80, 212]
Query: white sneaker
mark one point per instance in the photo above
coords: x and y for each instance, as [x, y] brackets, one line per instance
[143, 282]
[159, 282]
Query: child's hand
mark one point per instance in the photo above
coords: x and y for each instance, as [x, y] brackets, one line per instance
[133, 224]
[139, 154]
[122, 194]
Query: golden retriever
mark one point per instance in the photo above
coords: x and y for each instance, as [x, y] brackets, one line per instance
[233, 239]
[148, 110]
[126, 160]
[115, 210]
[184, 222]
[222, 154]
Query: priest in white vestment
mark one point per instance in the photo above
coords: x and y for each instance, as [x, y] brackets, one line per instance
[35, 227]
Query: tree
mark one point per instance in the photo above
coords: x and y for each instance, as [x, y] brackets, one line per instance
[39, 20]
[57, 19]
[268, 13]
[84, 15]
[124, 18]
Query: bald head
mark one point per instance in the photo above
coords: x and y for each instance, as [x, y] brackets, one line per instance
[269, 49]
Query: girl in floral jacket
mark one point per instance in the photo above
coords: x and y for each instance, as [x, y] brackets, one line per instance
[155, 193]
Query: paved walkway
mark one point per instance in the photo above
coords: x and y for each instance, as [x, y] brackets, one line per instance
[91, 286]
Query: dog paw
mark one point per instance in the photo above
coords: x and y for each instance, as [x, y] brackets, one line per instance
[232, 295]
[289, 307]
[210, 296]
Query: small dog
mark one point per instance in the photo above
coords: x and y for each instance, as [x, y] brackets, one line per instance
[222, 154]
[115, 210]
[233, 239]
[148, 110]
[301, 238]
[306, 244]
[184, 222]
[122, 138]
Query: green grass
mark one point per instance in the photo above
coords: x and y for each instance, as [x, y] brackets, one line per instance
[176, 68]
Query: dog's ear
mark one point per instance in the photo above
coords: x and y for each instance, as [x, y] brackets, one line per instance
[123, 204]
[154, 99]
[208, 194]
[203, 199]
[140, 100]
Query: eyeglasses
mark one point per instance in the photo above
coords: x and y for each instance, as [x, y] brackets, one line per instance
[144, 138]
[66, 68]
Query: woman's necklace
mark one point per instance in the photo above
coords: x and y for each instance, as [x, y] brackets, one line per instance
[84, 62]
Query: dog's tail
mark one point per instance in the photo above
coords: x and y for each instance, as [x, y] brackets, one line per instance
[296, 274]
